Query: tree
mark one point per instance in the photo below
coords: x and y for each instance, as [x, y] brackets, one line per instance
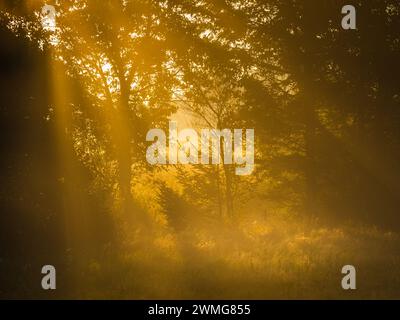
[116, 51]
[343, 98]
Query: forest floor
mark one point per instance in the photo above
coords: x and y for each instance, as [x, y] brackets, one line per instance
[264, 258]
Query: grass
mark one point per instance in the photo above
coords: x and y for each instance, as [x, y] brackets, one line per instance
[254, 258]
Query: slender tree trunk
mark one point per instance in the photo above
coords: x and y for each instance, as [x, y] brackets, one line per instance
[310, 163]
[219, 198]
[124, 146]
[228, 182]
[229, 191]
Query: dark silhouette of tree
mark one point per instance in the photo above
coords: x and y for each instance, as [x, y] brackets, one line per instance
[34, 202]
[344, 104]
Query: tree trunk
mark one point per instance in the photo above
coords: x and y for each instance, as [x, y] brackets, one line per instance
[228, 182]
[310, 163]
